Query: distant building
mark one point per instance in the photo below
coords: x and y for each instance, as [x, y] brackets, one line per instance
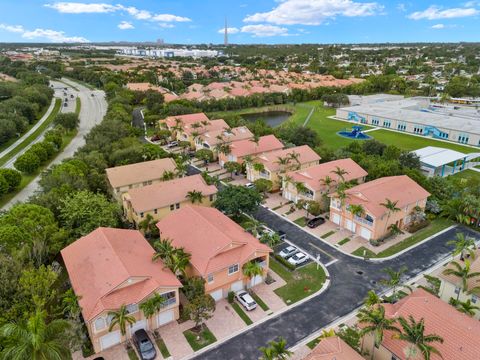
[436, 161]
[168, 53]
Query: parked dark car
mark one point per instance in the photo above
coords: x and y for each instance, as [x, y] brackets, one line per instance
[144, 345]
[282, 235]
[316, 221]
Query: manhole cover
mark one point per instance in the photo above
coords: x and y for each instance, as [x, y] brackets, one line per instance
[359, 272]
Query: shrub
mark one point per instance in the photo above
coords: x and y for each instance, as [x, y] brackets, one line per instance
[230, 297]
[67, 120]
[13, 178]
[39, 150]
[417, 226]
[27, 163]
[284, 262]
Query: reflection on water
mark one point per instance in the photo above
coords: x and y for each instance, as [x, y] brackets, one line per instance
[272, 118]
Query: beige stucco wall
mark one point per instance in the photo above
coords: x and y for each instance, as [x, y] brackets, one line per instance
[447, 291]
[119, 191]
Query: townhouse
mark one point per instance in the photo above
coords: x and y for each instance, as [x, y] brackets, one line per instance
[133, 176]
[275, 164]
[333, 348]
[176, 123]
[191, 131]
[320, 180]
[219, 248]
[109, 268]
[373, 222]
[211, 139]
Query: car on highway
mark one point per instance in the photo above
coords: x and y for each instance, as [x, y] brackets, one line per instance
[250, 185]
[172, 144]
[298, 258]
[144, 345]
[288, 251]
[246, 300]
[316, 221]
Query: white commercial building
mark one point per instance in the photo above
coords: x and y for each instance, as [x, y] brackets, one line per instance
[168, 53]
[435, 161]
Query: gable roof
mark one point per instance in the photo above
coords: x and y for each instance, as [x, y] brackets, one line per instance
[235, 134]
[166, 193]
[247, 147]
[213, 239]
[186, 119]
[218, 124]
[101, 261]
[304, 152]
[313, 175]
[333, 348]
[396, 188]
[139, 172]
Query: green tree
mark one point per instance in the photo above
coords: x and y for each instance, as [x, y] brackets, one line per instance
[68, 121]
[27, 163]
[391, 207]
[466, 307]
[395, 280]
[70, 304]
[149, 226]
[195, 196]
[463, 245]
[232, 167]
[235, 200]
[152, 305]
[372, 299]
[121, 318]
[263, 185]
[204, 155]
[193, 287]
[276, 350]
[168, 175]
[12, 177]
[252, 269]
[464, 274]
[200, 309]
[270, 239]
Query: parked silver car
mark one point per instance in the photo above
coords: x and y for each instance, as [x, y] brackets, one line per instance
[246, 300]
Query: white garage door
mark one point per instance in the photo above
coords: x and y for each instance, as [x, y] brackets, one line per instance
[237, 286]
[256, 280]
[165, 317]
[140, 324]
[110, 340]
[217, 295]
[350, 225]
[336, 219]
[365, 233]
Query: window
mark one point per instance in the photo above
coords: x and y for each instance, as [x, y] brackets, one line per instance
[177, 205]
[145, 183]
[265, 174]
[132, 308]
[474, 299]
[387, 123]
[169, 299]
[149, 182]
[141, 215]
[212, 197]
[232, 269]
[375, 121]
[457, 290]
[172, 207]
[210, 278]
[100, 324]
[130, 186]
[155, 211]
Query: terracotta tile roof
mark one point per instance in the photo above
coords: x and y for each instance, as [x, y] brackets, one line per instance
[396, 188]
[214, 235]
[139, 172]
[247, 147]
[187, 119]
[270, 159]
[101, 261]
[235, 134]
[166, 193]
[474, 267]
[333, 348]
[313, 175]
[461, 333]
[218, 124]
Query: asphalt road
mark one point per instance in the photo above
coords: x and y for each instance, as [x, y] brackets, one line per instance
[350, 281]
[92, 111]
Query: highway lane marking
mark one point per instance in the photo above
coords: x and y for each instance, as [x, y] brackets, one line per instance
[322, 251]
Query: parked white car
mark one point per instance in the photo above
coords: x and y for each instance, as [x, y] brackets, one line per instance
[298, 259]
[246, 300]
[250, 185]
[288, 251]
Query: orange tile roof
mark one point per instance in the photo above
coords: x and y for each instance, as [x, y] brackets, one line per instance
[313, 175]
[218, 124]
[187, 119]
[139, 172]
[208, 236]
[235, 134]
[474, 267]
[101, 261]
[247, 147]
[166, 193]
[333, 348]
[461, 333]
[396, 188]
[270, 159]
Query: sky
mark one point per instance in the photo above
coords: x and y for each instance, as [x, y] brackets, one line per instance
[249, 21]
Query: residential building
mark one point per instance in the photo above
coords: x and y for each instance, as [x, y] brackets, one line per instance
[376, 219]
[109, 268]
[212, 138]
[240, 149]
[159, 200]
[460, 333]
[333, 348]
[191, 131]
[451, 286]
[314, 180]
[219, 248]
[177, 122]
[133, 176]
[277, 163]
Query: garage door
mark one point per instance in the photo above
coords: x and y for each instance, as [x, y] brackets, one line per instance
[256, 280]
[237, 285]
[110, 340]
[365, 233]
[140, 324]
[336, 219]
[350, 225]
[165, 317]
[217, 295]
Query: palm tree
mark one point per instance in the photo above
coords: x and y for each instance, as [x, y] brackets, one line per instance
[195, 196]
[295, 157]
[70, 304]
[148, 226]
[413, 332]
[163, 249]
[256, 140]
[181, 168]
[259, 167]
[372, 299]
[463, 244]
[466, 307]
[177, 262]
[327, 334]
[391, 207]
[121, 318]
[357, 210]
[340, 173]
[254, 226]
[252, 269]
[168, 175]
[36, 340]
[375, 323]
[276, 350]
[282, 162]
[300, 187]
[327, 181]
[152, 305]
[464, 274]
[342, 196]
[395, 280]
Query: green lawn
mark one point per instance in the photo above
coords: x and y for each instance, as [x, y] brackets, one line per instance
[163, 348]
[468, 175]
[132, 355]
[343, 242]
[330, 233]
[300, 283]
[311, 344]
[259, 301]
[205, 338]
[302, 221]
[238, 309]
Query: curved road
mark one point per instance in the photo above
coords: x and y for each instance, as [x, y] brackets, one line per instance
[350, 281]
[92, 111]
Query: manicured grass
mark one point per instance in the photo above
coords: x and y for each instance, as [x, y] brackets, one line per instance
[300, 283]
[132, 355]
[301, 221]
[205, 338]
[330, 233]
[238, 309]
[360, 252]
[162, 347]
[311, 344]
[78, 106]
[468, 175]
[343, 242]
[259, 301]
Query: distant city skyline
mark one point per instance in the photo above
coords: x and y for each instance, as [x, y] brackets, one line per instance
[268, 21]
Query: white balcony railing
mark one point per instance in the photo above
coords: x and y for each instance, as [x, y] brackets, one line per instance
[363, 221]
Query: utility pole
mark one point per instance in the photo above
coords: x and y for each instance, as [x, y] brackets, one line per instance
[225, 37]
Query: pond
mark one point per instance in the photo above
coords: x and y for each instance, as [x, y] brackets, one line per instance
[272, 118]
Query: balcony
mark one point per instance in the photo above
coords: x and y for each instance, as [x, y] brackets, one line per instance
[169, 302]
[363, 221]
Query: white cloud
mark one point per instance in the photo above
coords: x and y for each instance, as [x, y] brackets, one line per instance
[230, 30]
[438, 26]
[125, 25]
[264, 30]
[314, 12]
[170, 18]
[402, 7]
[52, 36]
[81, 8]
[12, 28]
[435, 13]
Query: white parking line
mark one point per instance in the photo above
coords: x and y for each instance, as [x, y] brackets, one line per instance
[331, 262]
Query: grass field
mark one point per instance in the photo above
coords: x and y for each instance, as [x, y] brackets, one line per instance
[468, 174]
[198, 340]
[239, 310]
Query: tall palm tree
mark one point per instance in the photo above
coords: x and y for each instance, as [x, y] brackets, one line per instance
[163, 249]
[340, 173]
[391, 207]
[252, 269]
[70, 304]
[283, 162]
[342, 196]
[148, 226]
[254, 226]
[36, 340]
[122, 319]
[395, 280]
[168, 175]
[466, 307]
[181, 168]
[375, 323]
[195, 196]
[372, 299]
[464, 274]
[276, 350]
[327, 334]
[413, 332]
[256, 140]
[177, 262]
[357, 210]
[463, 245]
[327, 181]
[295, 157]
[258, 167]
[152, 305]
[300, 187]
